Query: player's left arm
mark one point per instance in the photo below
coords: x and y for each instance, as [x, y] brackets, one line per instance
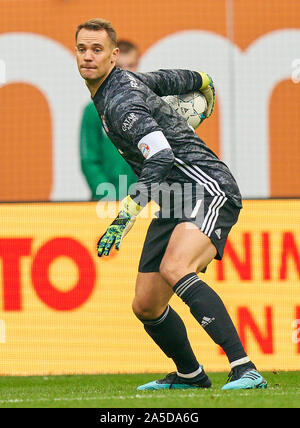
[142, 130]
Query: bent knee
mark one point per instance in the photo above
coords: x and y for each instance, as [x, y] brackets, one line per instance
[168, 269]
[143, 311]
[172, 270]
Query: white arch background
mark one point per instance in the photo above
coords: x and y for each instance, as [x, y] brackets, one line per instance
[244, 82]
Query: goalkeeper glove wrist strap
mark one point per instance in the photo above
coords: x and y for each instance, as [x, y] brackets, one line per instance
[130, 207]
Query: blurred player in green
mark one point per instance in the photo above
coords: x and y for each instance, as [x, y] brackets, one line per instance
[97, 153]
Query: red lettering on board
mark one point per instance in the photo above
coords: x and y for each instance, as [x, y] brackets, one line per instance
[297, 326]
[246, 322]
[11, 251]
[265, 238]
[289, 249]
[56, 299]
[243, 267]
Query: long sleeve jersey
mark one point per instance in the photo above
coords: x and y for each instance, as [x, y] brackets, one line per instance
[132, 111]
[98, 154]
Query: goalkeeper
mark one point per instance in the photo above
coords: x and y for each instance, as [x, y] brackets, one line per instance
[164, 151]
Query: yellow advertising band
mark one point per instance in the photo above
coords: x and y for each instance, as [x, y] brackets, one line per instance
[64, 310]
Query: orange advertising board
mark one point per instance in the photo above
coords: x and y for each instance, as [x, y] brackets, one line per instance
[250, 47]
[64, 310]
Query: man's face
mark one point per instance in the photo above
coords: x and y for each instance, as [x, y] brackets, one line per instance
[95, 54]
[128, 60]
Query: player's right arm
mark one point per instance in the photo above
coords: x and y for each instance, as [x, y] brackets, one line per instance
[172, 82]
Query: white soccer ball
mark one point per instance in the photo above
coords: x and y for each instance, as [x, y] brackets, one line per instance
[190, 106]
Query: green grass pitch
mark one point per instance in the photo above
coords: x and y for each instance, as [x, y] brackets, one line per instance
[119, 391]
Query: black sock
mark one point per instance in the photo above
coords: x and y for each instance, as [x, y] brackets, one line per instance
[209, 310]
[169, 333]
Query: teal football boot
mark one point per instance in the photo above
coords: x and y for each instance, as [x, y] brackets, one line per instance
[173, 381]
[244, 378]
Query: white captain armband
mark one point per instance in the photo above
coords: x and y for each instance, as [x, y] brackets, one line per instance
[153, 143]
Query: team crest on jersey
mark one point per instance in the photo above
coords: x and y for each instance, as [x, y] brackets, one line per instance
[104, 123]
[145, 149]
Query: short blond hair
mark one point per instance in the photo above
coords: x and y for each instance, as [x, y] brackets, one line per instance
[97, 24]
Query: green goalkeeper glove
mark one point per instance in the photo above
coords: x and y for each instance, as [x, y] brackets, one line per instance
[208, 90]
[119, 227]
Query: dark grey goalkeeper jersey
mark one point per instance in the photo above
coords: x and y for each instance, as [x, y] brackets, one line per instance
[130, 108]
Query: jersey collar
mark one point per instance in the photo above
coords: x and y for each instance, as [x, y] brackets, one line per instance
[103, 85]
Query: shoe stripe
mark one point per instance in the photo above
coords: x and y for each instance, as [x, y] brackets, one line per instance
[251, 377]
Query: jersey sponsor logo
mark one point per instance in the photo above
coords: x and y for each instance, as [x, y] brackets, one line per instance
[129, 121]
[133, 82]
[145, 149]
